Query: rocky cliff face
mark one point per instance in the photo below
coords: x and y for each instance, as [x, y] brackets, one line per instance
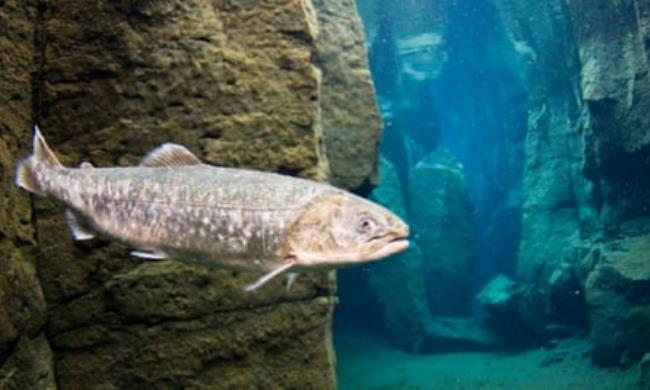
[25, 353]
[347, 96]
[586, 207]
[239, 85]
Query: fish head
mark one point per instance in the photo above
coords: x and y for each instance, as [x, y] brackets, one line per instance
[338, 229]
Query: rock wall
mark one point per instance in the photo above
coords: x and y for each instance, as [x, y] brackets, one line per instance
[25, 354]
[423, 293]
[585, 216]
[351, 122]
[442, 216]
[238, 83]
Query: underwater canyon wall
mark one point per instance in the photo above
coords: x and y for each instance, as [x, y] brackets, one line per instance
[543, 104]
[25, 354]
[586, 226]
[241, 84]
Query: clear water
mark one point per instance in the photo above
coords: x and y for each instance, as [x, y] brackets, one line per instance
[460, 92]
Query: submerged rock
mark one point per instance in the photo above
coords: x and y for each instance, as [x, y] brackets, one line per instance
[416, 309]
[350, 118]
[521, 314]
[617, 297]
[586, 177]
[442, 223]
[30, 365]
[399, 282]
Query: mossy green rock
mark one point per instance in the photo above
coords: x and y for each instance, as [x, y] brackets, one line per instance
[351, 122]
[25, 355]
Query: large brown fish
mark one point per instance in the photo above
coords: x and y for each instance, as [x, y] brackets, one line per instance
[173, 205]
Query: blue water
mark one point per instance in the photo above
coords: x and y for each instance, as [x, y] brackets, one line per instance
[454, 91]
[473, 106]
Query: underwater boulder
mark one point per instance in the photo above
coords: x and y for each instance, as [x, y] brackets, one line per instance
[420, 315]
[350, 118]
[442, 223]
[400, 290]
[498, 295]
[617, 291]
[400, 287]
[510, 310]
[398, 282]
[521, 314]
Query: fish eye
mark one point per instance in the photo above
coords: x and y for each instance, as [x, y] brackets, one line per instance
[365, 224]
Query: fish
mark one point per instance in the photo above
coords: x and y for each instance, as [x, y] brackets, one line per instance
[175, 206]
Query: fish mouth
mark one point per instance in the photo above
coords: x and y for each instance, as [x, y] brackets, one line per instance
[393, 246]
[397, 245]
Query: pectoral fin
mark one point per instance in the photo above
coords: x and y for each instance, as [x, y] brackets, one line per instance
[264, 279]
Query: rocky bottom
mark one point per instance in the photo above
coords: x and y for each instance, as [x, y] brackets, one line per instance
[367, 362]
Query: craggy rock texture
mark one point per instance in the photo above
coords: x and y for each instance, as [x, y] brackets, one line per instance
[234, 81]
[617, 297]
[442, 215]
[238, 83]
[406, 313]
[422, 291]
[351, 122]
[586, 215]
[25, 356]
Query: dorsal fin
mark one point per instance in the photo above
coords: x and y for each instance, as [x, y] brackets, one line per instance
[169, 155]
[42, 152]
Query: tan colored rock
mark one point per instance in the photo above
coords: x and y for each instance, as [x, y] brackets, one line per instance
[616, 294]
[236, 82]
[351, 122]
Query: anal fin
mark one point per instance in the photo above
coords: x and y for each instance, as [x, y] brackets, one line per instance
[150, 255]
[79, 232]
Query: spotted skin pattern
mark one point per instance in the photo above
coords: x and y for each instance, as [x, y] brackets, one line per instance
[175, 206]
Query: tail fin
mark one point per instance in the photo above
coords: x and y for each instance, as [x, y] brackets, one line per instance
[42, 157]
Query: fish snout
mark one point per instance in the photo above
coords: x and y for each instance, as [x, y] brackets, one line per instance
[400, 228]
